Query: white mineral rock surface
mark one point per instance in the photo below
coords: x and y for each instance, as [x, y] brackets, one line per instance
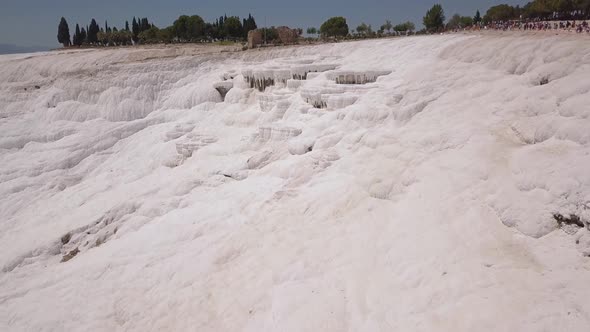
[423, 197]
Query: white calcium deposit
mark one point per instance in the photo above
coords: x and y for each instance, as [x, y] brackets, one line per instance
[407, 184]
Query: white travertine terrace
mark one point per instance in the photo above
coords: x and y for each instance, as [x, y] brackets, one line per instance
[432, 183]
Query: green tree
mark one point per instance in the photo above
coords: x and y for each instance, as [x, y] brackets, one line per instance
[370, 32]
[119, 37]
[232, 27]
[334, 27]
[477, 17]
[103, 38]
[166, 35]
[149, 36]
[466, 21]
[126, 37]
[115, 37]
[63, 33]
[134, 29]
[77, 39]
[583, 6]
[211, 31]
[220, 30]
[248, 25]
[93, 30]
[144, 24]
[195, 28]
[435, 19]
[459, 22]
[500, 13]
[563, 6]
[387, 26]
[180, 28]
[270, 35]
[546, 8]
[83, 36]
[405, 27]
[187, 28]
[454, 22]
[362, 30]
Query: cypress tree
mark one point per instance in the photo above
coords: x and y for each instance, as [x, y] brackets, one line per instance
[220, 34]
[126, 25]
[135, 29]
[250, 24]
[253, 23]
[144, 24]
[77, 36]
[477, 17]
[92, 32]
[63, 33]
[83, 39]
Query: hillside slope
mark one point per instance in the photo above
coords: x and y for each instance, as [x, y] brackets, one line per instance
[423, 194]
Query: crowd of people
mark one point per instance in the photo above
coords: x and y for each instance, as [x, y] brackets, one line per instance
[538, 25]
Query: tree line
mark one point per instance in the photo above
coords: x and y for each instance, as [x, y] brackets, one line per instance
[184, 29]
[434, 20]
[337, 27]
[540, 9]
[195, 29]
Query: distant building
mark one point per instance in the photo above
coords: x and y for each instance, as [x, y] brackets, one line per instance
[282, 35]
[254, 38]
[287, 35]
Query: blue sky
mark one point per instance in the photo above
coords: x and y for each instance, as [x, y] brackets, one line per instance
[34, 22]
